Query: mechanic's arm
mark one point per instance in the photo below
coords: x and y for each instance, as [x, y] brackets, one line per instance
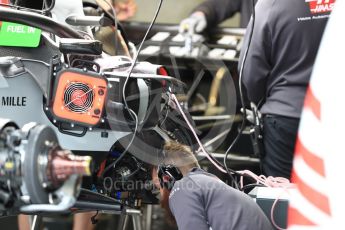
[187, 207]
[257, 67]
[217, 11]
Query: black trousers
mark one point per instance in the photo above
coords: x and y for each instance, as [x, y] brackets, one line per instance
[279, 138]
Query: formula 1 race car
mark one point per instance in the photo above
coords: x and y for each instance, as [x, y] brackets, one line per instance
[110, 107]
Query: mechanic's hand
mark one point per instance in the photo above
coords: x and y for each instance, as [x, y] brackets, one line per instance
[249, 115]
[254, 115]
[125, 9]
[195, 23]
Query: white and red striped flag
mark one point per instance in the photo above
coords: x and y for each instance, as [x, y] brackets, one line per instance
[319, 163]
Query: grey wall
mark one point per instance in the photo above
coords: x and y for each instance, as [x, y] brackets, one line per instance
[173, 11]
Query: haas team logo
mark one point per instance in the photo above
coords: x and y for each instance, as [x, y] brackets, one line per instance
[320, 6]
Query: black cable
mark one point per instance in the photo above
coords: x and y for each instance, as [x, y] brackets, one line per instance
[138, 52]
[115, 24]
[230, 171]
[204, 150]
[127, 148]
[93, 218]
[248, 186]
[131, 112]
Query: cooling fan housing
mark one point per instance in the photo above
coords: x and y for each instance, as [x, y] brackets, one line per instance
[79, 97]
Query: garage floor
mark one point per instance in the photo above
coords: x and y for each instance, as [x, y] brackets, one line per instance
[106, 222]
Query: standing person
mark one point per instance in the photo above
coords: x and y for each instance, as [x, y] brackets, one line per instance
[276, 73]
[199, 200]
[212, 12]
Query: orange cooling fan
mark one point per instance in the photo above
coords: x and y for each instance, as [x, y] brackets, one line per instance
[79, 97]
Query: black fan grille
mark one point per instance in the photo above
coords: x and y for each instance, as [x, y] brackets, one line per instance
[78, 97]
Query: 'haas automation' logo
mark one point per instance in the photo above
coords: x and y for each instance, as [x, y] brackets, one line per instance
[320, 6]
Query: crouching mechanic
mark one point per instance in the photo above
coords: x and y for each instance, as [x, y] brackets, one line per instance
[195, 199]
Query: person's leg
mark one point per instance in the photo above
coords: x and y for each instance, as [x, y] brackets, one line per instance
[82, 221]
[23, 222]
[279, 144]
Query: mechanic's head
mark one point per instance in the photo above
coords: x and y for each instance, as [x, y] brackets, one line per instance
[182, 157]
[177, 155]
